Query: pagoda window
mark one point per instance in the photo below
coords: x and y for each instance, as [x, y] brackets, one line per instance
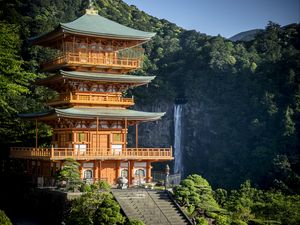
[140, 173]
[81, 137]
[117, 137]
[88, 174]
[124, 173]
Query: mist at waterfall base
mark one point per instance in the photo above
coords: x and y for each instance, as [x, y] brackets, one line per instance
[178, 167]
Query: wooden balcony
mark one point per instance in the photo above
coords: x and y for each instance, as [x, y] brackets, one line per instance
[156, 154]
[95, 61]
[91, 99]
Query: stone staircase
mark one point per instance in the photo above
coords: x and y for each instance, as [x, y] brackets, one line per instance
[152, 207]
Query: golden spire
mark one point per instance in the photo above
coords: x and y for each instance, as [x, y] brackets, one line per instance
[91, 10]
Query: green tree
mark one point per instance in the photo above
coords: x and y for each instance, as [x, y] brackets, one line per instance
[70, 174]
[95, 208]
[14, 79]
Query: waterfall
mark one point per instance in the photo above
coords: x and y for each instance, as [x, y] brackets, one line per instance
[178, 167]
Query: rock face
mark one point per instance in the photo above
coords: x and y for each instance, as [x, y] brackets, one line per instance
[161, 133]
[157, 133]
[197, 134]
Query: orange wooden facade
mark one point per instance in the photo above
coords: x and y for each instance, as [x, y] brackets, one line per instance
[98, 143]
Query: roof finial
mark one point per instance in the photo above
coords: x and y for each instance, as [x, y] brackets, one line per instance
[91, 10]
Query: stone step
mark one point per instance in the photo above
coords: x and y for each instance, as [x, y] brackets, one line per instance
[152, 207]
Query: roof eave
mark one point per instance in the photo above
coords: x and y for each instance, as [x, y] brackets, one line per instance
[109, 36]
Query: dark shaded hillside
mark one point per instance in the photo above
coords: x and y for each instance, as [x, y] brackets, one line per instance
[241, 120]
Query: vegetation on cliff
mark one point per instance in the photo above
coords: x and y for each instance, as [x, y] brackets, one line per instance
[247, 205]
[249, 91]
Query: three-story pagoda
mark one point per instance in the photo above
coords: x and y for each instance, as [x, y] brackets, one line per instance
[90, 117]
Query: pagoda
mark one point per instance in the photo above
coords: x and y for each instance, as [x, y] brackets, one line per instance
[90, 116]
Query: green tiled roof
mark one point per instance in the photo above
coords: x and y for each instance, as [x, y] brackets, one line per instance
[132, 80]
[103, 77]
[99, 26]
[95, 25]
[101, 113]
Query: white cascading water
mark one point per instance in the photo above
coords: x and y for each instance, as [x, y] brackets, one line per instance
[178, 167]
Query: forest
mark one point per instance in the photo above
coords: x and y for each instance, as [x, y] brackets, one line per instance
[250, 90]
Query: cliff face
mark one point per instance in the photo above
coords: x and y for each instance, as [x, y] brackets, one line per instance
[157, 133]
[200, 146]
[196, 133]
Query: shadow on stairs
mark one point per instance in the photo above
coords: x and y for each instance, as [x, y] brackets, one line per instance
[150, 206]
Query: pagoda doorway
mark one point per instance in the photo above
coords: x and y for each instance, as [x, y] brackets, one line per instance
[100, 142]
[108, 171]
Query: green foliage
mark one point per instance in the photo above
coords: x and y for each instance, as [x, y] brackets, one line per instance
[221, 196]
[195, 192]
[71, 175]
[201, 221]
[4, 220]
[86, 188]
[195, 195]
[14, 79]
[101, 185]
[251, 206]
[246, 205]
[95, 208]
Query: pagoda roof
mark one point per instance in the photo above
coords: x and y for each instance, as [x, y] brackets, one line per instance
[92, 113]
[97, 26]
[101, 77]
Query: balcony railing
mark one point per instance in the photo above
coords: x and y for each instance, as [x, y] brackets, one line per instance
[89, 98]
[92, 153]
[93, 60]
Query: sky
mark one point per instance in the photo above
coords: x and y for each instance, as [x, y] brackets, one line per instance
[224, 17]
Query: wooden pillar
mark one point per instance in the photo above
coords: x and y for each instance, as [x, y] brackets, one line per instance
[74, 44]
[130, 172]
[136, 135]
[97, 139]
[118, 169]
[99, 169]
[36, 134]
[125, 135]
[148, 172]
[95, 171]
[80, 170]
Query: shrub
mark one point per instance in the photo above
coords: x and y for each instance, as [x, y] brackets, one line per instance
[95, 208]
[201, 221]
[4, 220]
[102, 185]
[70, 173]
